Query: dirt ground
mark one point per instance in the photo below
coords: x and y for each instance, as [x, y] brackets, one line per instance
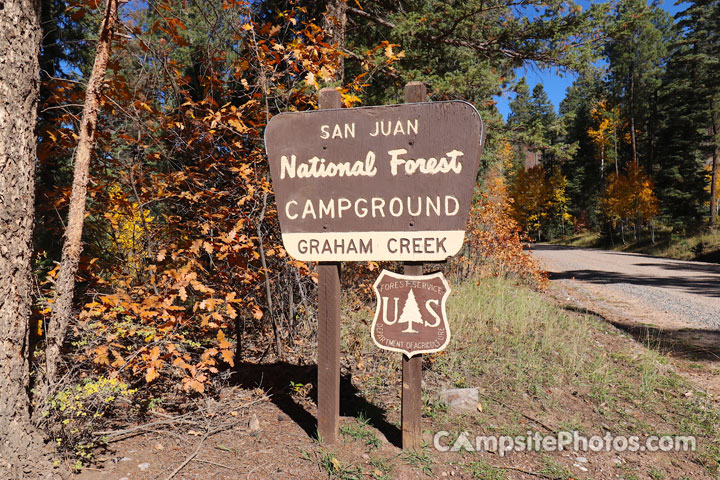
[268, 433]
[262, 424]
[277, 447]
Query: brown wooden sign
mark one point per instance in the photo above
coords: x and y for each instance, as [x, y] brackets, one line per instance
[410, 316]
[375, 183]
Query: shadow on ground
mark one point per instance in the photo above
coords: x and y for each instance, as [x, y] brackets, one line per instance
[275, 379]
[690, 343]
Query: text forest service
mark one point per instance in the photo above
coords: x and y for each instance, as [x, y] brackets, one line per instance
[375, 183]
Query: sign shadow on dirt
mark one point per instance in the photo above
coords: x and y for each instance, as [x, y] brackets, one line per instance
[275, 379]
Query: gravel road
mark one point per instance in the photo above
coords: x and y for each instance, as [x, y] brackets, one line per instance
[640, 288]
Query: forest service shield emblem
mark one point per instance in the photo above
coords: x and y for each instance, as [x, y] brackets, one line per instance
[410, 316]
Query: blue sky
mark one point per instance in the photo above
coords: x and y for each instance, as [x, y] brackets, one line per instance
[555, 83]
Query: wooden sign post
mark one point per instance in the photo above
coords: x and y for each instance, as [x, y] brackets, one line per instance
[370, 184]
[411, 410]
[328, 334]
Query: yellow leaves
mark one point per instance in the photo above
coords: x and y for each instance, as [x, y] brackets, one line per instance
[151, 374]
[154, 364]
[326, 73]
[349, 99]
[310, 80]
[195, 247]
[538, 198]
[208, 247]
[390, 54]
[222, 342]
[177, 281]
[237, 125]
[195, 384]
[225, 349]
[143, 105]
[630, 195]
[228, 357]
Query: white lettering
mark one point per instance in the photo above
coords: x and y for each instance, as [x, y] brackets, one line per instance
[287, 166]
[287, 210]
[448, 198]
[433, 313]
[429, 166]
[309, 209]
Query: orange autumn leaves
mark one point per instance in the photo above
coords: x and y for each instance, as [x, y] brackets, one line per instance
[177, 210]
[494, 240]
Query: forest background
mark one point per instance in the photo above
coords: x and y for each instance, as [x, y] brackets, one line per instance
[160, 268]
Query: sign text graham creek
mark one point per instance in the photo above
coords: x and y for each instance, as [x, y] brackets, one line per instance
[375, 183]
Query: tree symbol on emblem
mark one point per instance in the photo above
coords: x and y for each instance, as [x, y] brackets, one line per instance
[411, 313]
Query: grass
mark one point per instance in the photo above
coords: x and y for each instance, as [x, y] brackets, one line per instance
[511, 335]
[480, 469]
[360, 430]
[531, 359]
[382, 468]
[337, 469]
[420, 460]
[552, 470]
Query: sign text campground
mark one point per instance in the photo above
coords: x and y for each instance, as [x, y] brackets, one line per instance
[375, 183]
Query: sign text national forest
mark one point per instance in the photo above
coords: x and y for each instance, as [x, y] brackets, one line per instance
[375, 183]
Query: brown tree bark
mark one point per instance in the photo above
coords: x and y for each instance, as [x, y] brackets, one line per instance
[334, 27]
[65, 282]
[22, 449]
[715, 159]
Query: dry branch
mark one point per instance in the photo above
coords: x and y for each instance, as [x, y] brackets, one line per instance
[65, 282]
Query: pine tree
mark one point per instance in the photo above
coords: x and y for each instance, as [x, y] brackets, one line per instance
[411, 313]
[542, 116]
[583, 169]
[533, 125]
[520, 106]
[689, 110]
[635, 51]
[22, 449]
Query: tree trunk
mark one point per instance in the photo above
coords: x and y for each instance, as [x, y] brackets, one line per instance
[334, 27]
[615, 143]
[65, 282]
[716, 154]
[632, 118]
[22, 449]
[652, 231]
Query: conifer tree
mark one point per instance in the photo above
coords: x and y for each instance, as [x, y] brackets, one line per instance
[411, 313]
[689, 117]
[635, 51]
